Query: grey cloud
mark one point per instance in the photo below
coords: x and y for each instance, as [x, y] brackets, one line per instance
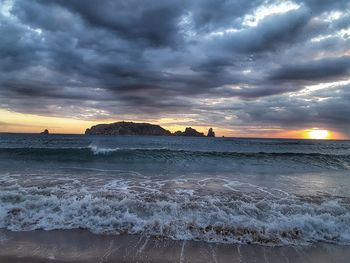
[303, 111]
[154, 22]
[273, 33]
[210, 15]
[323, 69]
[319, 6]
[127, 59]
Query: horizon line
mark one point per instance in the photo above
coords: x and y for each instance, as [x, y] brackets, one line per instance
[230, 137]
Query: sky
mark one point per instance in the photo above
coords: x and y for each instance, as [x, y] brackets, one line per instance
[245, 68]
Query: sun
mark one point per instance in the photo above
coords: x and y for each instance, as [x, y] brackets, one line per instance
[318, 134]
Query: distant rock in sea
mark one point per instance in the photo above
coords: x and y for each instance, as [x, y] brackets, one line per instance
[132, 128]
[127, 128]
[189, 132]
[211, 133]
[45, 132]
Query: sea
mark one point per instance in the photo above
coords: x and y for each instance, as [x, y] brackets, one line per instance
[271, 192]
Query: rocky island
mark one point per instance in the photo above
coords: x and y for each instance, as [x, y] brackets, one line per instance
[127, 128]
[45, 132]
[211, 133]
[189, 132]
[132, 128]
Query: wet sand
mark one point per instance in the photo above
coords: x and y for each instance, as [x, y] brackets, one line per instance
[83, 246]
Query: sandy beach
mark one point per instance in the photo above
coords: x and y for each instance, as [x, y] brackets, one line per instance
[83, 246]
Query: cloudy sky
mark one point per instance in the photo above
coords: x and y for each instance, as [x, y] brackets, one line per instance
[246, 68]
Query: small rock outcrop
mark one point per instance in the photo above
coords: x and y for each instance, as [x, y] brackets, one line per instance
[211, 133]
[189, 132]
[45, 132]
[127, 128]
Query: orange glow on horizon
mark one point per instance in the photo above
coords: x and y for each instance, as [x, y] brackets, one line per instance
[30, 123]
[319, 134]
[289, 134]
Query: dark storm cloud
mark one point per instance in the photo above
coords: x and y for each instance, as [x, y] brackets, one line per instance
[274, 32]
[226, 61]
[154, 22]
[213, 15]
[322, 69]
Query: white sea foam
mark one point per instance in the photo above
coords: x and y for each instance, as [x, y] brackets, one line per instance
[181, 209]
[101, 150]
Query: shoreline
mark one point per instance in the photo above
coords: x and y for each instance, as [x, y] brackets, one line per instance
[83, 246]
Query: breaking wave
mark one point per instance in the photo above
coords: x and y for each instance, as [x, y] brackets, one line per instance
[183, 209]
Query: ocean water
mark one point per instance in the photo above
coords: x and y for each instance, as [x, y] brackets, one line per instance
[223, 190]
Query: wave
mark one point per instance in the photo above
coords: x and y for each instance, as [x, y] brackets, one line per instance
[330, 161]
[117, 207]
[97, 150]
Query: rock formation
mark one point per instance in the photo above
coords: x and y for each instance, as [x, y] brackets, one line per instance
[45, 132]
[211, 133]
[132, 128]
[189, 132]
[127, 128]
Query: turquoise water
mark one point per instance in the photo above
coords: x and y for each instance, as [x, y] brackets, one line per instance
[262, 191]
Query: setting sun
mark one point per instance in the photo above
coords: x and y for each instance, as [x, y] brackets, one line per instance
[318, 134]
